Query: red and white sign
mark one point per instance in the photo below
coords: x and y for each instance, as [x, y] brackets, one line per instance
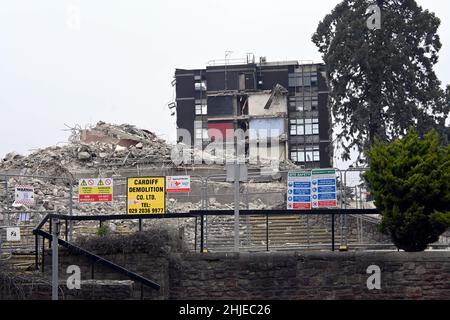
[95, 190]
[178, 184]
[24, 195]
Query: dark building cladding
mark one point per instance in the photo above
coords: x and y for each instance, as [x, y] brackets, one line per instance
[215, 98]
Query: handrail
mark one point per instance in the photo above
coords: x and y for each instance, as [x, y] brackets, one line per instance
[100, 260]
[197, 213]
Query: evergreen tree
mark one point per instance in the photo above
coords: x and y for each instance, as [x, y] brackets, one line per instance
[382, 81]
[410, 181]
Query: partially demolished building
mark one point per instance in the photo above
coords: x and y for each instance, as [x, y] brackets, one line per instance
[284, 101]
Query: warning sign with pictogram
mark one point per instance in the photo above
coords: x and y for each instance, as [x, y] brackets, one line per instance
[24, 195]
[299, 190]
[95, 190]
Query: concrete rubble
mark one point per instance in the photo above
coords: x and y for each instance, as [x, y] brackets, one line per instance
[102, 148]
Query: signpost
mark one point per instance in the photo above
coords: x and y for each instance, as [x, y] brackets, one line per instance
[299, 191]
[95, 190]
[178, 184]
[146, 195]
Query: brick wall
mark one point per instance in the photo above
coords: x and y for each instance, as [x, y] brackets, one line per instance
[284, 275]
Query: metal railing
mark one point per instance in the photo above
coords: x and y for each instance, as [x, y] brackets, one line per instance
[96, 259]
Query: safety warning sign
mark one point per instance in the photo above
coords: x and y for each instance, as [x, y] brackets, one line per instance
[95, 190]
[178, 184]
[24, 195]
[323, 188]
[299, 190]
[146, 195]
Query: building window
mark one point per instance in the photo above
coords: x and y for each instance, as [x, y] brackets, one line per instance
[201, 107]
[303, 79]
[200, 85]
[200, 132]
[305, 154]
[303, 103]
[300, 127]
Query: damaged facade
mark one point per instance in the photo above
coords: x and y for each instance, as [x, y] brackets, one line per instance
[286, 101]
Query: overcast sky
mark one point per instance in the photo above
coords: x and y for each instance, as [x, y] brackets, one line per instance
[117, 64]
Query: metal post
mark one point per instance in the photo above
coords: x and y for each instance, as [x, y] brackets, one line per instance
[66, 235]
[55, 263]
[308, 230]
[236, 206]
[0, 244]
[267, 232]
[332, 233]
[202, 221]
[71, 210]
[50, 228]
[195, 235]
[7, 202]
[36, 252]
[43, 254]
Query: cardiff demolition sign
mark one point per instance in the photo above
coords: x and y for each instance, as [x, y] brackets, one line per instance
[146, 195]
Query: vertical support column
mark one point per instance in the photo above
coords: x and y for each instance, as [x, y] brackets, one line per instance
[55, 262]
[70, 212]
[332, 233]
[43, 254]
[50, 230]
[8, 219]
[201, 233]
[308, 231]
[267, 232]
[236, 206]
[36, 252]
[195, 235]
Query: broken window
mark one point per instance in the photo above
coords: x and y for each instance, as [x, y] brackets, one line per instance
[200, 85]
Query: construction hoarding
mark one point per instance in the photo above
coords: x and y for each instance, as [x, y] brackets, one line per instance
[95, 190]
[146, 195]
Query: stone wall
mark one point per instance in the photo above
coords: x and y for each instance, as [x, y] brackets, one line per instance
[291, 276]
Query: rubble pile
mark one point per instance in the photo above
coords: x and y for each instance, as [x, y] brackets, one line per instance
[103, 146]
[100, 148]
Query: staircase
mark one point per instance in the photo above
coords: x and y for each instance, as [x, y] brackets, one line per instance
[286, 232]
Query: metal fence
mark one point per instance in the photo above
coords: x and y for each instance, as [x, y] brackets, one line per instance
[210, 192]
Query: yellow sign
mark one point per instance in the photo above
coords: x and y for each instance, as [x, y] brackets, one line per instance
[146, 195]
[95, 190]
